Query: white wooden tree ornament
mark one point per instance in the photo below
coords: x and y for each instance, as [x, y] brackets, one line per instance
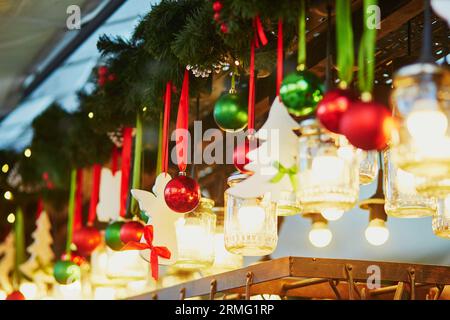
[7, 260]
[161, 217]
[108, 207]
[38, 265]
[279, 145]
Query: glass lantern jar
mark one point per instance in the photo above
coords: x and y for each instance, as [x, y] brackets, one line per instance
[402, 198]
[421, 104]
[368, 166]
[195, 237]
[250, 227]
[441, 220]
[328, 171]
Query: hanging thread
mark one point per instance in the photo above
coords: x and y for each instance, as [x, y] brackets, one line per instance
[181, 133]
[165, 131]
[344, 42]
[126, 166]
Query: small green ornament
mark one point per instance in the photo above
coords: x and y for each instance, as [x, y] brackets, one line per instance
[112, 235]
[300, 92]
[144, 216]
[66, 272]
[230, 112]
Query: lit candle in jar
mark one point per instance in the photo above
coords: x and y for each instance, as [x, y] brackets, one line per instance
[251, 219]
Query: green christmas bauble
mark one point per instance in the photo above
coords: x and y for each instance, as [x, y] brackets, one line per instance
[300, 92]
[112, 235]
[66, 272]
[230, 112]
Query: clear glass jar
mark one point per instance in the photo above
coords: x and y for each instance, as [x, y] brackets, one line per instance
[328, 170]
[288, 205]
[250, 224]
[368, 166]
[421, 104]
[402, 198]
[195, 237]
[441, 220]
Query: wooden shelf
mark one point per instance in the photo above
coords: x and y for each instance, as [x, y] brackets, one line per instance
[315, 278]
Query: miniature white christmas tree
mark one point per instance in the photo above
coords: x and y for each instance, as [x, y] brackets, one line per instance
[273, 163]
[7, 261]
[41, 253]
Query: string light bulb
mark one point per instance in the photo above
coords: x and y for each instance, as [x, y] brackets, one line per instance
[27, 152]
[5, 168]
[320, 235]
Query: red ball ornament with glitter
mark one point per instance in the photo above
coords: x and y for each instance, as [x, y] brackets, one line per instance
[217, 6]
[367, 125]
[217, 16]
[333, 106]
[182, 193]
[15, 295]
[224, 28]
[86, 239]
[240, 154]
[131, 231]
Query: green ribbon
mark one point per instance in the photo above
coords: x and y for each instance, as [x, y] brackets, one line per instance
[301, 58]
[19, 239]
[366, 56]
[136, 183]
[71, 211]
[344, 37]
[282, 171]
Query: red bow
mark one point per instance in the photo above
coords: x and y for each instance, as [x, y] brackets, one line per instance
[155, 252]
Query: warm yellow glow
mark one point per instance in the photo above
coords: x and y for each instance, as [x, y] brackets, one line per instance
[144, 109]
[320, 236]
[327, 169]
[5, 168]
[447, 207]
[90, 115]
[427, 126]
[192, 238]
[126, 264]
[29, 290]
[406, 183]
[377, 233]
[223, 259]
[11, 218]
[8, 195]
[251, 219]
[2, 295]
[27, 152]
[332, 214]
[70, 291]
[104, 293]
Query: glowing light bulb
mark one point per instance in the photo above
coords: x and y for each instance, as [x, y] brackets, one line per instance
[29, 290]
[320, 236]
[251, 219]
[332, 214]
[27, 152]
[327, 169]
[5, 168]
[11, 218]
[90, 115]
[377, 233]
[427, 125]
[8, 195]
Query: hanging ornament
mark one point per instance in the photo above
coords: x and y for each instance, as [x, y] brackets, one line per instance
[302, 90]
[333, 106]
[240, 153]
[230, 112]
[217, 6]
[224, 27]
[367, 124]
[112, 235]
[131, 231]
[86, 239]
[182, 193]
[66, 272]
[15, 295]
[217, 16]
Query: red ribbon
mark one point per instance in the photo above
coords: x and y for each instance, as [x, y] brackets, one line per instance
[259, 36]
[279, 56]
[165, 133]
[39, 208]
[126, 166]
[182, 124]
[114, 160]
[96, 172]
[78, 218]
[155, 252]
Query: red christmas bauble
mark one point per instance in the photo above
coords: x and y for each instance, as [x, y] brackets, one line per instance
[101, 81]
[111, 77]
[240, 154]
[15, 295]
[223, 28]
[217, 6]
[182, 194]
[86, 240]
[217, 16]
[102, 71]
[131, 231]
[367, 125]
[332, 106]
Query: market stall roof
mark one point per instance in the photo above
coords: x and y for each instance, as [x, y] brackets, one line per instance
[15, 127]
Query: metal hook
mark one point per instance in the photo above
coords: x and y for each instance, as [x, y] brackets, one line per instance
[212, 289]
[333, 284]
[412, 282]
[182, 293]
[154, 296]
[248, 283]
